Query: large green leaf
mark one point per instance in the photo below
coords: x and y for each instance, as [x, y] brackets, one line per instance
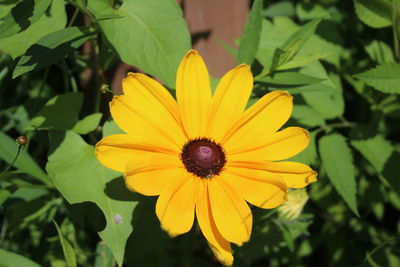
[10, 259]
[374, 13]
[385, 78]
[338, 162]
[251, 36]
[22, 16]
[25, 163]
[52, 48]
[379, 52]
[80, 177]
[54, 19]
[307, 116]
[151, 35]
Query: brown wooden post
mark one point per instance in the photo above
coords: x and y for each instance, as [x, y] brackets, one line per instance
[212, 20]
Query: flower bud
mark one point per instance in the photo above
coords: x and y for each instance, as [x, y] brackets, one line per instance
[22, 140]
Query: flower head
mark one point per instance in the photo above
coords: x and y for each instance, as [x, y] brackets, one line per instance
[204, 155]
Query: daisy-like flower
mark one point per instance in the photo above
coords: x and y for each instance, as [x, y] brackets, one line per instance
[205, 155]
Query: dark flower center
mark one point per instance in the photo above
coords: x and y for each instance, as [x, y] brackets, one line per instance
[203, 157]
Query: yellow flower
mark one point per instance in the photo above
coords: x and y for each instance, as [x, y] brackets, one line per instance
[292, 208]
[205, 154]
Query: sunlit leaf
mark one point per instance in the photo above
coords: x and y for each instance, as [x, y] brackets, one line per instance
[22, 16]
[54, 19]
[52, 48]
[80, 177]
[153, 42]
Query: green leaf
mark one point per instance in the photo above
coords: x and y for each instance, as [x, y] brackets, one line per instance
[153, 42]
[52, 48]
[289, 79]
[385, 78]
[10, 259]
[68, 250]
[22, 16]
[379, 52]
[110, 128]
[381, 154]
[293, 44]
[376, 150]
[374, 13]
[87, 124]
[80, 177]
[251, 36]
[338, 162]
[59, 113]
[311, 10]
[307, 116]
[25, 163]
[54, 19]
[300, 61]
[328, 100]
[282, 8]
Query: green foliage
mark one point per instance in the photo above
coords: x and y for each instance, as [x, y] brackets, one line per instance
[338, 163]
[251, 36]
[385, 78]
[59, 61]
[72, 166]
[142, 38]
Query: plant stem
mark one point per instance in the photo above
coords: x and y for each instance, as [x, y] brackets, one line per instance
[12, 163]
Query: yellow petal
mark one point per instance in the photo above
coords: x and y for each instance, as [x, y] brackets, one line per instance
[115, 151]
[175, 206]
[231, 213]
[132, 115]
[219, 246]
[273, 147]
[229, 100]
[139, 85]
[295, 174]
[149, 174]
[193, 93]
[260, 188]
[266, 116]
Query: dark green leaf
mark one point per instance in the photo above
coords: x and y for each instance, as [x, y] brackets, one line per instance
[251, 36]
[154, 43]
[68, 250]
[59, 113]
[52, 48]
[22, 16]
[338, 162]
[80, 177]
[385, 78]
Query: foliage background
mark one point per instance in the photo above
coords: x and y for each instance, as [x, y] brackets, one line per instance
[60, 207]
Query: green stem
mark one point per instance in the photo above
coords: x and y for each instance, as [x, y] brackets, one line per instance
[12, 163]
[74, 16]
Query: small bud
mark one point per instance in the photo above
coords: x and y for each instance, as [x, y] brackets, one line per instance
[22, 140]
[292, 208]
